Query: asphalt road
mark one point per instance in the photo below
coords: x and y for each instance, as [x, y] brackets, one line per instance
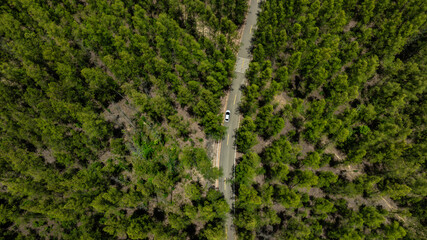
[227, 153]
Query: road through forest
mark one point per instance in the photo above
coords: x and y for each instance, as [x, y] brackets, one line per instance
[227, 153]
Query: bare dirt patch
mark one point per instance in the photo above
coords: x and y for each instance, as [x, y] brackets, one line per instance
[288, 127]
[315, 94]
[390, 206]
[387, 203]
[373, 81]
[364, 51]
[330, 169]
[121, 114]
[313, 192]
[204, 30]
[350, 25]
[355, 202]
[340, 156]
[293, 80]
[260, 179]
[105, 156]
[277, 207]
[197, 177]
[236, 41]
[340, 109]
[47, 155]
[197, 135]
[305, 148]
[151, 207]
[261, 144]
[178, 194]
[212, 148]
[282, 99]
[351, 172]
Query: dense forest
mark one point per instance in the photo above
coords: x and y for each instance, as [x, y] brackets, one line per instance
[109, 111]
[333, 139]
[106, 111]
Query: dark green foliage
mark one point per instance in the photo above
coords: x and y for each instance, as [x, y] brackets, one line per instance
[312, 160]
[213, 125]
[90, 130]
[246, 169]
[287, 197]
[304, 179]
[245, 135]
[326, 178]
[197, 157]
[248, 104]
[280, 150]
[349, 79]
[268, 124]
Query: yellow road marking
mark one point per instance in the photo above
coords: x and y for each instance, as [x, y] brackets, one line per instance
[235, 99]
[228, 136]
[225, 186]
[243, 62]
[226, 233]
[250, 30]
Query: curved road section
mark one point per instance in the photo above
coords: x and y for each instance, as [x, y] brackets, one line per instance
[227, 155]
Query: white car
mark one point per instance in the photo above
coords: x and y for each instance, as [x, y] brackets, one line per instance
[227, 115]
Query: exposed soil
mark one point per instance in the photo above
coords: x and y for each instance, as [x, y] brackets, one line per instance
[387, 203]
[305, 148]
[120, 114]
[373, 81]
[313, 192]
[211, 147]
[340, 156]
[288, 127]
[197, 177]
[340, 109]
[204, 30]
[178, 194]
[261, 145]
[260, 179]
[330, 169]
[238, 38]
[351, 172]
[350, 25]
[355, 202]
[315, 94]
[277, 207]
[197, 134]
[105, 156]
[282, 99]
[47, 155]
